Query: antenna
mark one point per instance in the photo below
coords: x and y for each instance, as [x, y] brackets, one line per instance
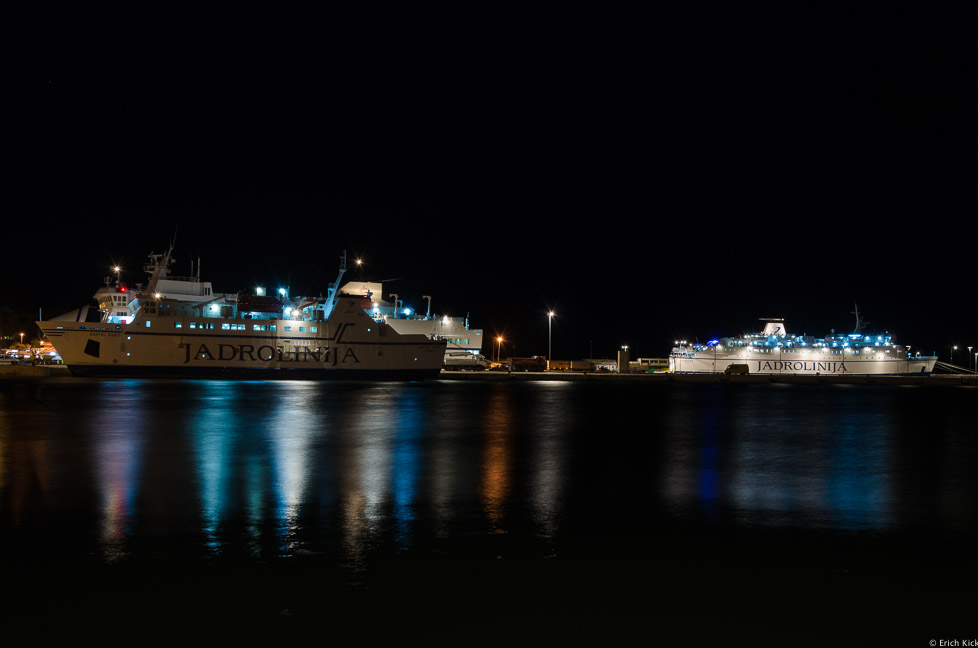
[860, 324]
[428, 297]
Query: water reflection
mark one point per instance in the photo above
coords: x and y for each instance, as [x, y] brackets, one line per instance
[118, 457]
[273, 469]
[549, 462]
[499, 429]
[770, 458]
[293, 428]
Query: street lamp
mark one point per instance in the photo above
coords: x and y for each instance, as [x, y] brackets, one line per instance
[499, 348]
[550, 321]
[969, 353]
[953, 349]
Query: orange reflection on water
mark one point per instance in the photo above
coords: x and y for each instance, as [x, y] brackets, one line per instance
[497, 458]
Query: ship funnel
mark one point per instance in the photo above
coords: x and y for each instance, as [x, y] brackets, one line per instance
[775, 327]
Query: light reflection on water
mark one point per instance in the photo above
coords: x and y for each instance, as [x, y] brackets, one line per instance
[273, 469]
[118, 454]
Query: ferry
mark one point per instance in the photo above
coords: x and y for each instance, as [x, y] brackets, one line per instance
[179, 326]
[774, 351]
[463, 345]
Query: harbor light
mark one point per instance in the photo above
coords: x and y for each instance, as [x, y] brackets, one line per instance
[550, 320]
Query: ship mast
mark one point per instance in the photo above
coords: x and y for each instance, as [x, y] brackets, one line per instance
[157, 268]
[860, 324]
[334, 287]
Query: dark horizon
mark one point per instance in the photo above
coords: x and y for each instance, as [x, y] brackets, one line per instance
[647, 187]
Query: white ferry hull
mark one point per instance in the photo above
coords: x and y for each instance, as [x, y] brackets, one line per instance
[812, 366]
[348, 346]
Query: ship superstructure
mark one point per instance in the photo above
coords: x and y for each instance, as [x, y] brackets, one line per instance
[462, 342]
[180, 326]
[774, 351]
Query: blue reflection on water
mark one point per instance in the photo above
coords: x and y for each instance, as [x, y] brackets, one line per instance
[213, 433]
[859, 474]
[708, 487]
[407, 464]
[279, 468]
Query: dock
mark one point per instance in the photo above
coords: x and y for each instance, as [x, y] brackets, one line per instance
[32, 371]
[662, 378]
[14, 371]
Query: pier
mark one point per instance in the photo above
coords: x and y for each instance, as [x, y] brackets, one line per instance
[661, 378]
[934, 380]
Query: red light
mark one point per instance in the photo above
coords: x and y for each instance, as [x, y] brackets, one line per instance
[122, 289]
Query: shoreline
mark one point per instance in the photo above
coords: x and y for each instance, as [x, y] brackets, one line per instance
[957, 380]
[941, 380]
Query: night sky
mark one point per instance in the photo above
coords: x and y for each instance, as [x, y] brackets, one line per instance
[647, 179]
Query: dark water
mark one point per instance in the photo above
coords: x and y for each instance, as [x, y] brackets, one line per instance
[436, 513]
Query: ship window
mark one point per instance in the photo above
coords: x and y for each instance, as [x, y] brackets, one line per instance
[225, 326]
[271, 328]
[147, 323]
[178, 325]
[313, 329]
[288, 328]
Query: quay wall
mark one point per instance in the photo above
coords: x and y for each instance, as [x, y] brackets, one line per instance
[755, 379]
[31, 371]
[11, 371]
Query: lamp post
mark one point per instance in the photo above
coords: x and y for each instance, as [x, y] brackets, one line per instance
[550, 321]
[953, 349]
[969, 353]
[499, 348]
